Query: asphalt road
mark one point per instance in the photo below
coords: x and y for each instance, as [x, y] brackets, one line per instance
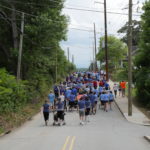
[105, 131]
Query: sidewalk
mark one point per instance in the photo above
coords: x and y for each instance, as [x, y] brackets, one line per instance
[137, 117]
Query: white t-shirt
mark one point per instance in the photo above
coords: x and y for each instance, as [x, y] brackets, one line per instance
[62, 97]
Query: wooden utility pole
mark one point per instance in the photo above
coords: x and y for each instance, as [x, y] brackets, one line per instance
[106, 41]
[56, 67]
[72, 59]
[130, 60]
[20, 48]
[68, 51]
[95, 48]
[93, 57]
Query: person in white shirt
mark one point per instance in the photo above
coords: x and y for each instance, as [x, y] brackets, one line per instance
[115, 88]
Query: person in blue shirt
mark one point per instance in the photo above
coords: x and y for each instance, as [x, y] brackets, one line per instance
[51, 98]
[106, 100]
[81, 108]
[92, 100]
[60, 111]
[88, 107]
[74, 91]
[107, 87]
[46, 110]
[111, 99]
[71, 101]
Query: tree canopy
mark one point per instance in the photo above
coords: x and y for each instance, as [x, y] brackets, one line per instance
[142, 60]
[45, 27]
[117, 51]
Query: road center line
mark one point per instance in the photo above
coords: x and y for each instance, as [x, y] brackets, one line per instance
[72, 143]
[66, 142]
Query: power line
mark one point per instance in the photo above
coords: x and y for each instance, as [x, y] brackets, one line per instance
[80, 9]
[109, 12]
[28, 14]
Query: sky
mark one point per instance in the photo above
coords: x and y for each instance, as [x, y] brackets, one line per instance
[79, 41]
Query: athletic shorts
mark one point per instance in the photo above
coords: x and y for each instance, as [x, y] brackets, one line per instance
[87, 111]
[71, 104]
[60, 115]
[81, 113]
[46, 116]
[111, 100]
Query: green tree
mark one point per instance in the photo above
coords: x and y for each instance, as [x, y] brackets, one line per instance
[136, 32]
[142, 60]
[117, 51]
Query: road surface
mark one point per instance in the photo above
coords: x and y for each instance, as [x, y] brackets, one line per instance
[105, 131]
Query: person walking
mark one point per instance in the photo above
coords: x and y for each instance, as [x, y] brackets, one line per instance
[87, 108]
[115, 88]
[46, 111]
[81, 108]
[123, 87]
[51, 98]
[111, 99]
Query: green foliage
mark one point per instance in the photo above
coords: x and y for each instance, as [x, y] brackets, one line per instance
[13, 94]
[136, 32]
[117, 51]
[142, 60]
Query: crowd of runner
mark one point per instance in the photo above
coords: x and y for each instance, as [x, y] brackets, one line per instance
[81, 91]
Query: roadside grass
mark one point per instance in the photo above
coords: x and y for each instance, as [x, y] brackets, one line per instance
[9, 121]
[136, 103]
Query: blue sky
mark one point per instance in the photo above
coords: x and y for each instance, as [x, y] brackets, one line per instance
[81, 42]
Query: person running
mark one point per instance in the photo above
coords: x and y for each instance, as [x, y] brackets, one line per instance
[111, 99]
[51, 98]
[115, 88]
[81, 108]
[87, 108]
[46, 111]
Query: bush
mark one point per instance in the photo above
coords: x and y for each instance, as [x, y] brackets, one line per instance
[13, 94]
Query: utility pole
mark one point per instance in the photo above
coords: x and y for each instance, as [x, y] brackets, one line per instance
[130, 60]
[93, 57]
[95, 47]
[68, 53]
[56, 67]
[106, 40]
[72, 59]
[20, 48]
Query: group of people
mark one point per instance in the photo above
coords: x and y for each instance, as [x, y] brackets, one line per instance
[81, 91]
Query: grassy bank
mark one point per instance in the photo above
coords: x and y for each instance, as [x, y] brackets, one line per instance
[11, 120]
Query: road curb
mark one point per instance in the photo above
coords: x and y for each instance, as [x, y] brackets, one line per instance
[7, 132]
[147, 138]
[127, 118]
[120, 110]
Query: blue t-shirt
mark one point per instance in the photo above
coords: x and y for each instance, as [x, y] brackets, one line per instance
[87, 104]
[45, 107]
[102, 97]
[111, 96]
[92, 99]
[106, 85]
[74, 91]
[51, 97]
[100, 89]
[60, 106]
[106, 97]
[81, 104]
[72, 98]
[68, 93]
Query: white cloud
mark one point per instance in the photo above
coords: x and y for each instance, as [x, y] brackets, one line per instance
[84, 20]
